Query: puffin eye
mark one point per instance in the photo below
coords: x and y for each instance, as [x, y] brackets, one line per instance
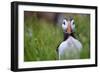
[73, 23]
[64, 23]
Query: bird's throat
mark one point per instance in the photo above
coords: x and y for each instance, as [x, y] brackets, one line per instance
[66, 35]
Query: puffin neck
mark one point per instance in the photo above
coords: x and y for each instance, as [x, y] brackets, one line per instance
[66, 35]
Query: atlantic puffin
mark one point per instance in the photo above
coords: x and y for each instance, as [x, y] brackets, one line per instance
[70, 47]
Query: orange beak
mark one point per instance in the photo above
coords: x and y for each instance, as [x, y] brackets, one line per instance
[69, 30]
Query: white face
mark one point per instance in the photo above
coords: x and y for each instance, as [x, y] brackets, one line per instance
[72, 25]
[66, 23]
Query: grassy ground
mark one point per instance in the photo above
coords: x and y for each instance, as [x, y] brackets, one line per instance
[41, 38]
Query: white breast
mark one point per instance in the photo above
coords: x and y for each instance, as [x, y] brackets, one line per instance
[70, 49]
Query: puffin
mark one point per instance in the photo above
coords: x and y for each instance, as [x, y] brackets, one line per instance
[70, 47]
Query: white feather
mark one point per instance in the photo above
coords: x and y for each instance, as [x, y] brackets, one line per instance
[72, 25]
[64, 24]
[70, 48]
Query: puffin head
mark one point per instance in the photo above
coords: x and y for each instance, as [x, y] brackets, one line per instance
[68, 25]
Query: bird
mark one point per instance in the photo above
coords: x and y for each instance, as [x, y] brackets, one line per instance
[70, 47]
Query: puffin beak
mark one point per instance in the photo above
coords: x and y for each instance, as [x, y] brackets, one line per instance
[69, 30]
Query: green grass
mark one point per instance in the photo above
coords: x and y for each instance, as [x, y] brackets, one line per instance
[42, 38]
[83, 34]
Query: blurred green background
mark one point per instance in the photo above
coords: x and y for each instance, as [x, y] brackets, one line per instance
[43, 34]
